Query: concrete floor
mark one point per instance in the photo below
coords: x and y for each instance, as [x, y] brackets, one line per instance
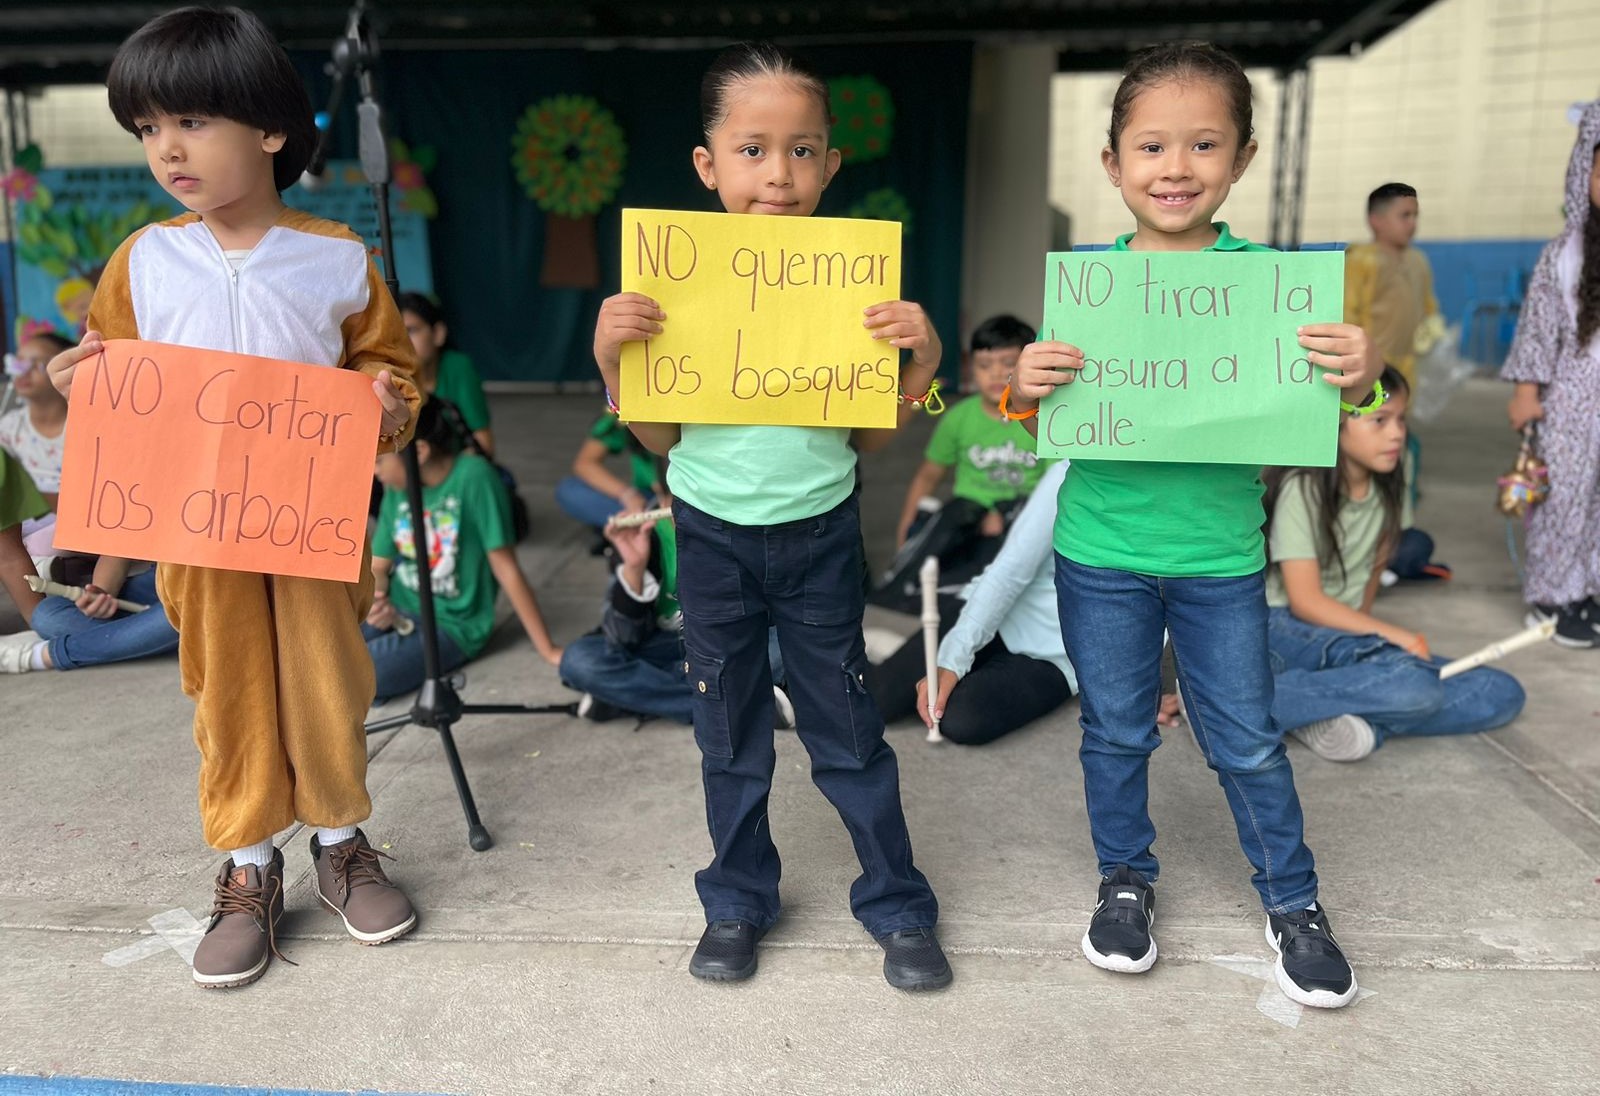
[1463, 877]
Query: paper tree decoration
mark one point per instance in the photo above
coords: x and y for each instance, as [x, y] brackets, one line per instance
[887, 204]
[863, 118]
[568, 153]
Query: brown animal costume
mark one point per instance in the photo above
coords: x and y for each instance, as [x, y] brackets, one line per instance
[277, 668]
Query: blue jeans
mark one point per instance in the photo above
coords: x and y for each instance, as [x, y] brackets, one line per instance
[1322, 672]
[1111, 622]
[735, 581]
[649, 680]
[397, 659]
[77, 641]
[578, 500]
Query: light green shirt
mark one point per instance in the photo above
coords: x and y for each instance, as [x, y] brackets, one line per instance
[762, 475]
[994, 460]
[1167, 519]
[1359, 527]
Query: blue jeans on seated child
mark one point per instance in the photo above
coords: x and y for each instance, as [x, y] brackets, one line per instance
[397, 659]
[649, 680]
[1322, 672]
[77, 641]
[1111, 622]
[578, 500]
[734, 581]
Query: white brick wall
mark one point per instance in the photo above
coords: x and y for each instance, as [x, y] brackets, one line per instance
[1467, 103]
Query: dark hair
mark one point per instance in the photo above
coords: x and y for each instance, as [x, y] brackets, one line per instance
[439, 423]
[424, 307]
[1589, 277]
[1387, 193]
[1323, 491]
[54, 338]
[746, 61]
[1182, 61]
[221, 64]
[1001, 332]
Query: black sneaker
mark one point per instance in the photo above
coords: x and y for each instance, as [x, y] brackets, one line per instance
[1575, 627]
[726, 952]
[1119, 932]
[1311, 969]
[913, 960]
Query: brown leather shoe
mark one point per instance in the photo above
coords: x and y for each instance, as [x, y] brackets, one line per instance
[351, 883]
[241, 938]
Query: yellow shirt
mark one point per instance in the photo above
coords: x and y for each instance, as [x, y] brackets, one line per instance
[1389, 296]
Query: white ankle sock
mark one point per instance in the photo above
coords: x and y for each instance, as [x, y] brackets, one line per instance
[36, 657]
[326, 836]
[259, 854]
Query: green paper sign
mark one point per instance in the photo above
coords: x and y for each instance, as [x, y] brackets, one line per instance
[1192, 356]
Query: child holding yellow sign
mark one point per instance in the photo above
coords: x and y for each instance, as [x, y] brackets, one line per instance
[768, 530]
[276, 665]
[1144, 547]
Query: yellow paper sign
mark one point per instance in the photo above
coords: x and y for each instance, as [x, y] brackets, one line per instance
[222, 460]
[764, 319]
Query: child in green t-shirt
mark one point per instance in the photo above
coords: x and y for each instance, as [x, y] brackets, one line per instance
[470, 560]
[19, 501]
[996, 469]
[592, 493]
[444, 372]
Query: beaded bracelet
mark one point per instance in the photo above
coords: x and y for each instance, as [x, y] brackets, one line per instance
[929, 401]
[611, 404]
[1005, 397]
[1378, 399]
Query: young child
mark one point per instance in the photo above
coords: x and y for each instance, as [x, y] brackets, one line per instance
[1144, 546]
[35, 433]
[1345, 681]
[20, 501]
[995, 466]
[443, 371]
[470, 558]
[276, 665]
[769, 532]
[93, 631]
[1001, 662]
[1555, 362]
[1388, 284]
[592, 493]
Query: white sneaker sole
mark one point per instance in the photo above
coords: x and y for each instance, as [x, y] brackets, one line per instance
[371, 939]
[1122, 964]
[1313, 998]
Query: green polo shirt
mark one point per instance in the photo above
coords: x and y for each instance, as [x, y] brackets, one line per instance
[1167, 519]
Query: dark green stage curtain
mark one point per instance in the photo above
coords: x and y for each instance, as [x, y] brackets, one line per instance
[488, 238]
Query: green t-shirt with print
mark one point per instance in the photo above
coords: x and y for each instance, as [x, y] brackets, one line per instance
[994, 459]
[1358, 527]
[609, 432]
[469, 516]
[1167, 519]
[458, 382]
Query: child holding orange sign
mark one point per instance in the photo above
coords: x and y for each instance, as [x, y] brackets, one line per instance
[768, 530]
[276, 665]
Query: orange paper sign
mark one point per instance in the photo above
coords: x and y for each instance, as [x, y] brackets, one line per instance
[221, 460]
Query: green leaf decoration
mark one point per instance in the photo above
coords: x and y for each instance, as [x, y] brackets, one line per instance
[863, 118]
[887, 204]
[568, 153]
[30, 159]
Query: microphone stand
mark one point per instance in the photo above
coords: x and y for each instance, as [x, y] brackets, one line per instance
[438, 705]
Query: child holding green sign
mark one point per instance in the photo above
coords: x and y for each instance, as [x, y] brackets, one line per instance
[1144, 547]
[769, 532]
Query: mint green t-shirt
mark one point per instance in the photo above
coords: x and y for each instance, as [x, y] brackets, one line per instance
[469, 516]
[1167, 519]
[1358, 527]
[762, 475]
[994, 460]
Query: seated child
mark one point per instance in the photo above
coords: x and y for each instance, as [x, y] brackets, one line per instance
[20, 501]
[634, 664]
[592, 493]
[93, 631]
[1345, 681]
[35, 433]
[444, 372]
[469, 555]
[1001, 660]
[995, 469]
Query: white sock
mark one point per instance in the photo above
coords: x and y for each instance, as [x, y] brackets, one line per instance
[36, 657]
[327, 836]
[259, 854]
